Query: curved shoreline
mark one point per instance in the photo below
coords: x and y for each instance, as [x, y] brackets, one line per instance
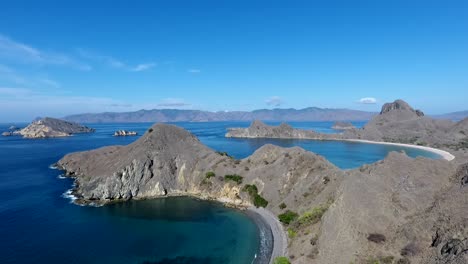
[444, 154]
[265, 219]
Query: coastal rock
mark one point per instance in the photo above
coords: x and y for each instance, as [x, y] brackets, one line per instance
[400, 199]
[120, 133]
[343, 126]
[51, 127]
[168, 160]
[7, 133]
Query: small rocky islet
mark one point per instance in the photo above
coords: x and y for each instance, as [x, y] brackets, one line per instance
[124, 133]
[398, 210]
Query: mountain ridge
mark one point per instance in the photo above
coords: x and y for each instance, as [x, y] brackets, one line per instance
[179, 115]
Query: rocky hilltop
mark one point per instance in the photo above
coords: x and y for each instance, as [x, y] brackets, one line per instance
[51, 127]
[398, 210]
[399, 122]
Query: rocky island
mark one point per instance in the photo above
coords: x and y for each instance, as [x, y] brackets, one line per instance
[343, 126]
[123, 133]
[398, 210]
[51, 127]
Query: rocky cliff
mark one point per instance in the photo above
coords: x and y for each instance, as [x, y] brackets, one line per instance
[168, 160]
[51, 127]
[399, 210]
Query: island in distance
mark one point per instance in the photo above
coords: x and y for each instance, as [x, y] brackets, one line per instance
[397, 210]
[49, 127]
[124, 133]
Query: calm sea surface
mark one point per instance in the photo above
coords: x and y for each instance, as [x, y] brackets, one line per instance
[39, 225]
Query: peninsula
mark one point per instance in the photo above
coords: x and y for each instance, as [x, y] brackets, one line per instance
[397, 123]
[398, 210]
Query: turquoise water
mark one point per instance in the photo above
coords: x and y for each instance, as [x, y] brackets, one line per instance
[38, 225]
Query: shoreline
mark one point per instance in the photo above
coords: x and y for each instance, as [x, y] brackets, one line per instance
[264, 219]
[273, 240]
[444, 154]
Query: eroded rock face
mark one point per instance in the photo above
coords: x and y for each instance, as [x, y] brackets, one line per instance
[168, 160]
[401, 106]
[412, 209]
[51, 127]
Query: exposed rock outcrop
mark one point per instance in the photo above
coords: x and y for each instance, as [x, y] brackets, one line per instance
[51, 127]
[168, 160]
[123, 133]
[415, 207]
[400, 105]
[343, 126]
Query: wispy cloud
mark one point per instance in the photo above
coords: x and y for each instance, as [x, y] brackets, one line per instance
[107, 60]
[367, 100]
[173, 102]
[274, 101]
[113, 62]
[14, 92]
[9, 75]
[27, 104]
[143, 67]
[195, 71]
[17, 52]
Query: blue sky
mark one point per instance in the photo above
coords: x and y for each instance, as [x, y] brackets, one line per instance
[59, 58]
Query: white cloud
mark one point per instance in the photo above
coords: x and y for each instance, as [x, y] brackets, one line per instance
[194, 71]
[367, 100]
[143, 67]
[274, 101]
[18, 52]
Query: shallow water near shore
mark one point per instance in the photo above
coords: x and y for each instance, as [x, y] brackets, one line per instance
[37, 225]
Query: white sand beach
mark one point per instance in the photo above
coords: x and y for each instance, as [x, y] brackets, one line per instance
[445, 154]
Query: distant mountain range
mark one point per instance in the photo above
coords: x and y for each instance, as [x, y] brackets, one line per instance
[175, 115]
[453, 116]
[290, 114]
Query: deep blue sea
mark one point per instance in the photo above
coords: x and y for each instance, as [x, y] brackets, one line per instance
[39, 225]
